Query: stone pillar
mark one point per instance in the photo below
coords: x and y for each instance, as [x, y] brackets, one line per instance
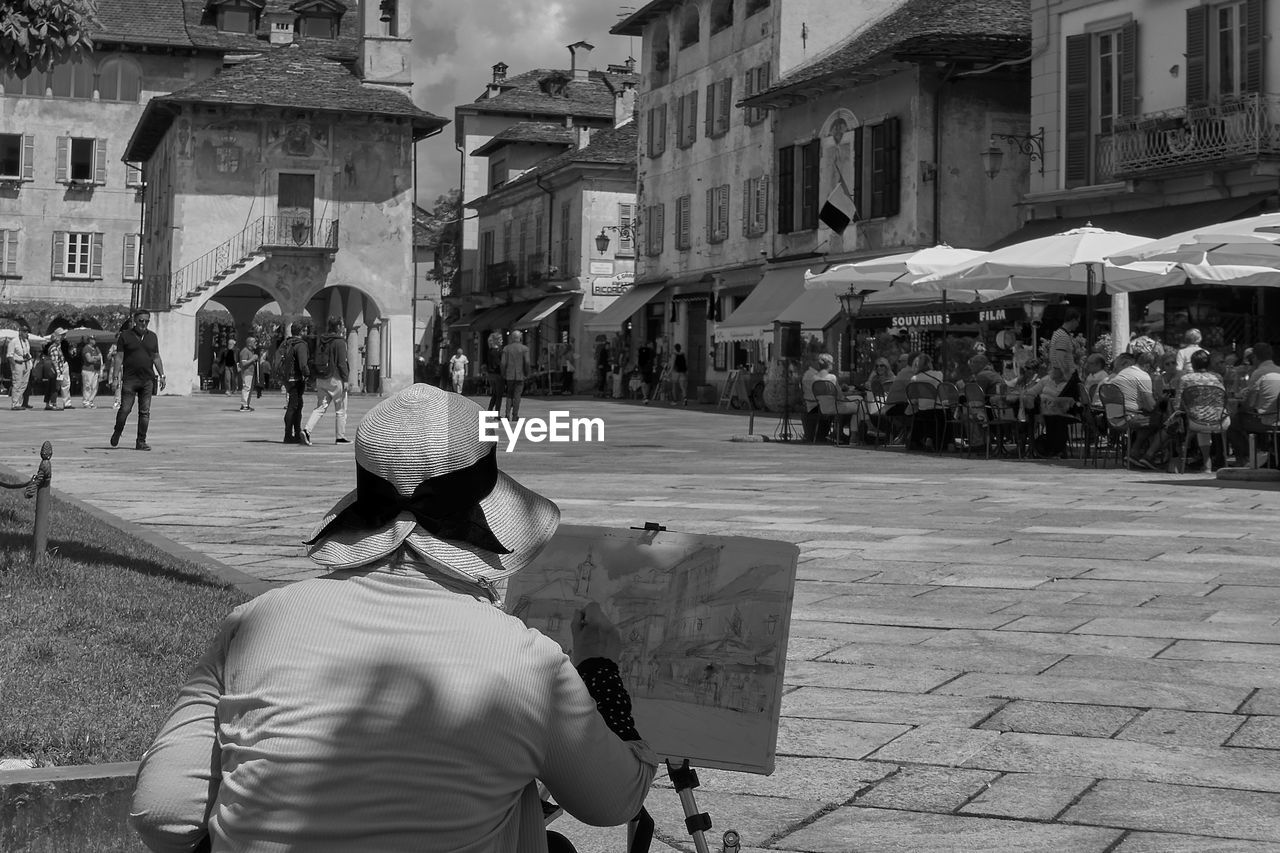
[1119, 322]
[176, 331]
[398, 352]
[355, 360]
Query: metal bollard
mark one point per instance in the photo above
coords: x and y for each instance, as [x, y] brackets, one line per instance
[38, 487]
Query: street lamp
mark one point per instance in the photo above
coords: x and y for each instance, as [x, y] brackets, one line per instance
[850, 305]
[1035, 306]
[1031, 144]
[625, 232]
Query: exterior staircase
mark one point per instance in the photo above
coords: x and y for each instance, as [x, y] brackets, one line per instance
[247, 250]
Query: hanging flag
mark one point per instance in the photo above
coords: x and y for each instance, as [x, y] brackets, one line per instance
[839, 209]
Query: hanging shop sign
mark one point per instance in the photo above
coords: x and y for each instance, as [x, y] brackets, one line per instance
[600, 268]
[614, 285]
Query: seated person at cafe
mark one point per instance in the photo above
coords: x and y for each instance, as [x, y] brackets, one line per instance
[881, 377]
[895, 401]
[929, 416]
[1055, 413]
[1095, 373]
[984, 376]
[925, 372]
[1199, 375]
[1257, 412]
[1140, 410]
[819, 368]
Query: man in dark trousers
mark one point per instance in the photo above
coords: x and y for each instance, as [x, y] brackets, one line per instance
[332, 373]
[292, 358]
[679, 377]
[493, 371]
[138, 351]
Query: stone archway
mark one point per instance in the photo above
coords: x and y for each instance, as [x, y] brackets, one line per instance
[364, 323]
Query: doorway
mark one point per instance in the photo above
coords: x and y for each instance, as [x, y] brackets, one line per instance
[295, 205]
[696, 320]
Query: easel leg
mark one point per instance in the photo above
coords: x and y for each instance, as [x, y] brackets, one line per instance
[685, 779]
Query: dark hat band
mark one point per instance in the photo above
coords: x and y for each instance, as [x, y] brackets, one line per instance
[445, 506]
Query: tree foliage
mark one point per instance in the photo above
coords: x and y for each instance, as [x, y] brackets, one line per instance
[440, 230]
[36, 35]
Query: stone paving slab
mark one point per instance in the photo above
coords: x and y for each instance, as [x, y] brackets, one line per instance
[922, 580]
[1198, 811]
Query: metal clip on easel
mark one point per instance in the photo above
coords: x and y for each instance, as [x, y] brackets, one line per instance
[685, 779]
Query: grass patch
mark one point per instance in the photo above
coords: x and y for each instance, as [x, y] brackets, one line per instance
[96, 639]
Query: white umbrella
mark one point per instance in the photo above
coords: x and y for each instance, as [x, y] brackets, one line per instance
[1070, 262]
[1161, 274]
[1239, 242]
[904, 268]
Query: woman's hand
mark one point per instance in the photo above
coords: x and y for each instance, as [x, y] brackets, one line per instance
[594, 636]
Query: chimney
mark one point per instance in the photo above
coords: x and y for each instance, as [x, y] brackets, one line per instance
[280, 27]
[624, 104]
[499, 72]
[574, 49]
[582, 135]
[631, 64]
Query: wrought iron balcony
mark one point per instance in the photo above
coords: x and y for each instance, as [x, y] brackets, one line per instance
[1243, 128]
[500, 276]
[1104, 158]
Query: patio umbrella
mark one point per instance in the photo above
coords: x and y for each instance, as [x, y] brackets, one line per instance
[83, 333]
[1252, 242]
[903, 268]
[1203, 274]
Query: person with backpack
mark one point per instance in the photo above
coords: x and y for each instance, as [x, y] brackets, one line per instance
[332, 372]
[291, 371]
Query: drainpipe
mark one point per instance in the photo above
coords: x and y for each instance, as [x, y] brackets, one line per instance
[937, 155]
[551, 216]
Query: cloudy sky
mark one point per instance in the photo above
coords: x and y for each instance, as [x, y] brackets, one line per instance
[456, 42]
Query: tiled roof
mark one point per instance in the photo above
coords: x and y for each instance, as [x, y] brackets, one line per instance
[981, 30]
[617, 145]
[528, 131]
[284, 77]
[633, 24]
[143, 22]
[555, 92]
[202, 27]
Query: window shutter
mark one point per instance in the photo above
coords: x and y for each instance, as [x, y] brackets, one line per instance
[726, 105]
[130, 257]
[691, 121]
[63, 152]
[10, 251]
[722, 225]
[892, 166]
[1129, 69]
[762, 206]
[684, 222]
[59, 254]
[100, 161]
[708, 218]
[1197, 55]
[858, 201]
[710, 129]
[1076, 159]
[28, 157]
[1254, 51]
[660, 227]
[747, 198]
[132, 175]
[626, 239]
[809, 154]
[786, 189]
[662, 130]
[95, 256]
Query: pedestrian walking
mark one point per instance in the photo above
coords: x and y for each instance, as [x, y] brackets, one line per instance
[20, 362]
[90, 373]
[332, 375]
[515, 369]
[247, 362]
[458, 370]
[291, 372]
[679, 371]
[493, 371]
[138, 351]
[57, 373]
[229, 368]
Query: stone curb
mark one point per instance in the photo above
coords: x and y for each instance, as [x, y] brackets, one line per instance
[247, 584]
[1256, 475]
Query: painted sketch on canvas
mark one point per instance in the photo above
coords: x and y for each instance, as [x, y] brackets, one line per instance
[704, 622]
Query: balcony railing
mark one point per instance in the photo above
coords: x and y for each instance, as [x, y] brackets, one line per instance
[1104, 158]
[1242, 128]
[500, 276]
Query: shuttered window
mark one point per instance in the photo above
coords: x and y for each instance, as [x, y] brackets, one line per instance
[8, 253]
[1101, 88]
[886, 168]
[756, 81]
[17, 161]
[810, 154]
[565, 241]
[1225, 50]
[1078, 89]
[719, 106]
[786, 189]
[77, 254]
[687, 120]
[655, 222]
[626, 237]
[132, 175]
[132, 257]
[755, 206]
[81, 160]
[718, 214]
[657, 130]
[684, 225]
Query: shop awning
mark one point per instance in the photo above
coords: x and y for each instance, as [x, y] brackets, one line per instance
[773, 295]
[542, 310]
[497, 318]
[1149, 222]
[623, 307]
[816, 308]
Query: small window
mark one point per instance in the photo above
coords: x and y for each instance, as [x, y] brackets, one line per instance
[236, 18]
[317, 26]
[81, 160]
[8, 253]
[689, 27]
[77, 254]
[119, 80]
[721, 15]
[10, 155]
[81, 163]
[133, 175]
[718, 214]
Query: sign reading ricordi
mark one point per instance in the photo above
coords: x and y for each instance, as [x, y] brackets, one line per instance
[614, 285]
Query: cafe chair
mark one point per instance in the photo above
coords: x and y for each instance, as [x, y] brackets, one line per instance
[826, 408]
[1088, 431]
[1119, 425]
[923, 408]
[1004, 423]
[1206, 409]
[1271, 420]
[952, 413]
[839, 410]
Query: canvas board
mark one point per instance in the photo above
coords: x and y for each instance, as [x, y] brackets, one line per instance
[704, 623]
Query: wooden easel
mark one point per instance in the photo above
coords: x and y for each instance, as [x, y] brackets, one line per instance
[735, 385]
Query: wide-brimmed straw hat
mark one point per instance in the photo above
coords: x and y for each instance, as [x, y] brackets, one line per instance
[425, 479]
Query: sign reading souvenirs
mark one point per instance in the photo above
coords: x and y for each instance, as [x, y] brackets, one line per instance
[920, 320]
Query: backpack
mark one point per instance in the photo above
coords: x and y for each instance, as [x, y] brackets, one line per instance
[322, 366]
[283, 369]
